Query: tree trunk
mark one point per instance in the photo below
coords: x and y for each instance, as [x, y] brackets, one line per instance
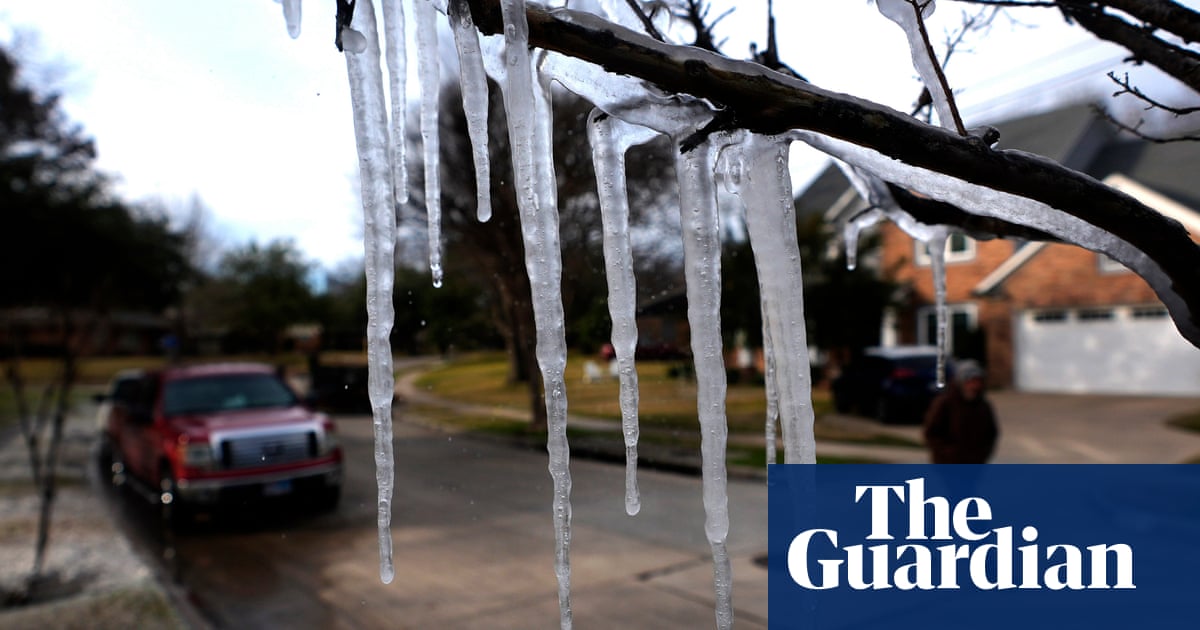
[48, 485]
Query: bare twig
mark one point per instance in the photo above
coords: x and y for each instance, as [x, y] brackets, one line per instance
[918, 6]
[647, 23]
[695, 13]
[979, 21]
[770, 56]
[1136, 130]
[1128, 88]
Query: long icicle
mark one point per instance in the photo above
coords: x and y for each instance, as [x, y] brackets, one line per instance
[291, 15]
[772, 420]
[766, 191]
[610, 139]
[473, 79]
[527, 105]
[702, 262]
[429, 71]
[395, 44]
[937, 260]
[379, 221]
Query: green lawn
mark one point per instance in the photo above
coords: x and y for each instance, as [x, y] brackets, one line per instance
[665, 402]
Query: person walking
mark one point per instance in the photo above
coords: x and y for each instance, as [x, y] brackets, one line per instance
[960, 426]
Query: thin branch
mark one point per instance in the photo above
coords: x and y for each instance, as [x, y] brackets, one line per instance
[1136, 130]
[771, 103]
[934, 212]
[918, 6]
[1163, 14]
[1183, 22]
[1127, 88]
[647, 23]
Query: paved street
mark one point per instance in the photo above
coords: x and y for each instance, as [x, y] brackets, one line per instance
[474, 541]
[474, 548]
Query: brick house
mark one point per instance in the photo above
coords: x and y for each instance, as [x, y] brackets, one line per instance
[1051, 317]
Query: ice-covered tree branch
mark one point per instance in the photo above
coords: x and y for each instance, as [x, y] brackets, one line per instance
[755, 98]
[1139, 39]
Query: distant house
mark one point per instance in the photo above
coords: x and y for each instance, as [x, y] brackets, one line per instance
[39, 332]
[663, 330]
[1050, 317]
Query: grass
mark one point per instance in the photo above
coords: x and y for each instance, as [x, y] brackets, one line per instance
[666, 403]
[739, 455]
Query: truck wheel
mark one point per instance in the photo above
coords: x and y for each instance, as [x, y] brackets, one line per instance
[116, 467]
[328, 499]
[173, 511]
[104, 455]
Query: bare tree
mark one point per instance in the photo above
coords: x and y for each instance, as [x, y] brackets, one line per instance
[751, 97]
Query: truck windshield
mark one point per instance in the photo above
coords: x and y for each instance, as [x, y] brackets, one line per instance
[225, 393]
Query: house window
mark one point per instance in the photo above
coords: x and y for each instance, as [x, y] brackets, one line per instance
[1149, 312]
[1050, 317]
[962, 329]
[1108, 265]
[959, 248]
[1095, 314]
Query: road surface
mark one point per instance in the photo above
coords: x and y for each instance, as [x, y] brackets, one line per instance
[474, 547]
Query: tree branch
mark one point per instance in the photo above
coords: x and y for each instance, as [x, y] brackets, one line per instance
[956, 118]
[769, 102]
[1181, 63]
[1127, 88]
[1162, 14]
[934, 212]
[1137, 131]
[647, 23]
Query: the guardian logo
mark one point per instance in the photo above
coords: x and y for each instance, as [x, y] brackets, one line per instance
[947, 547]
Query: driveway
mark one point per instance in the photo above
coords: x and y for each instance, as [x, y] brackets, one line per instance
[1071, 429]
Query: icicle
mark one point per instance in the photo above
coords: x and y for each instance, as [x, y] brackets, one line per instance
[937, 259]
[473, 80]
[610, 139]
[990, 202]
[771, 390]
[397, 65]
[291, 15]
[529, 116]
[628, 98]
[702, 263]
[903, 13]
[371, 138]
[766, 192]
[429, 72]
[852, 228]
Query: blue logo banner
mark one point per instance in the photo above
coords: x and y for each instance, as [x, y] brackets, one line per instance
[981, 547]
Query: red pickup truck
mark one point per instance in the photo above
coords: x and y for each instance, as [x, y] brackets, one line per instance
[219, 434]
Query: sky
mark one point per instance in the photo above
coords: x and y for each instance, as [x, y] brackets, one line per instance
[214, 99]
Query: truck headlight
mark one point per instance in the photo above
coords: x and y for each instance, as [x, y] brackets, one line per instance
[329, 443]
[196, 454]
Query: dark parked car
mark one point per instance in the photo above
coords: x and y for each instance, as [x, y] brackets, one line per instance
[893, 384]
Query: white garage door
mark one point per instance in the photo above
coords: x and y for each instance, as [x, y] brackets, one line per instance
[1112, 350]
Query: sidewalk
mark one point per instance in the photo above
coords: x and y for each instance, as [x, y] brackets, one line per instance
[92, 577]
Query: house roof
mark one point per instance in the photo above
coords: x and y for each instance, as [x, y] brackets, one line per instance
[1159, 175]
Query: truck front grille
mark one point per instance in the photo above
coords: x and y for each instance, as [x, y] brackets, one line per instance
[268, 450]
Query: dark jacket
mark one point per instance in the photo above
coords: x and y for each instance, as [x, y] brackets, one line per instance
[960, 431]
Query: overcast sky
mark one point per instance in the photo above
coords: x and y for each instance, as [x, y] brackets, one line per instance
[214, 99]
